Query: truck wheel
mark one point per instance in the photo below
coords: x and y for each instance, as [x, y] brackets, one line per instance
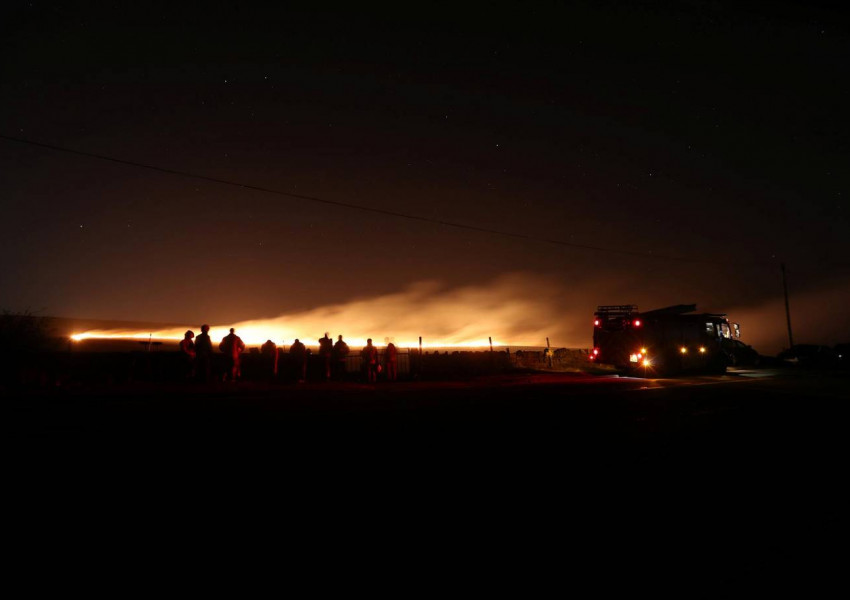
[718, 365]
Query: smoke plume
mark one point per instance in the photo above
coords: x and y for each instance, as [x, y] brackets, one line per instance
[519, 309]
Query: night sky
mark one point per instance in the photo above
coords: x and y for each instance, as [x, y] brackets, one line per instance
[695, 145]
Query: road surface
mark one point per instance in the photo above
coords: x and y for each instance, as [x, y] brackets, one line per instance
[715, 485]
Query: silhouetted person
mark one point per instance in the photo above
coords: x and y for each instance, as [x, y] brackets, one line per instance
[187, 351]
[203, 353]
[326, 348]
[299, 354]
[269, 353]
[370, 361]
[232, 346]
[391, 359]
[340, 353]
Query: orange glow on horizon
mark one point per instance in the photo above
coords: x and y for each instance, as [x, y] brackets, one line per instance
[515, 310]
[256, 337]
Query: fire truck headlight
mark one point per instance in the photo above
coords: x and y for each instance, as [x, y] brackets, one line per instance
[646, 362]
[683, 350]
[702, 349]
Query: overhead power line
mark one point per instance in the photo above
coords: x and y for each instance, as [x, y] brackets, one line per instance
[380, 211]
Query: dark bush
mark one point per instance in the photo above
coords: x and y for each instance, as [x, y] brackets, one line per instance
[24, 338]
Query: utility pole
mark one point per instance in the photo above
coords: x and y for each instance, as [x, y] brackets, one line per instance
[787, 308]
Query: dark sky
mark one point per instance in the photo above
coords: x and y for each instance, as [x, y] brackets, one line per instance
[699, 130]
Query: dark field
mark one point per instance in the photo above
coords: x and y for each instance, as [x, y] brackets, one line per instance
[702, 486]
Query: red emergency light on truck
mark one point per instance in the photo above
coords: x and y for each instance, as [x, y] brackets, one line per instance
[662, 341]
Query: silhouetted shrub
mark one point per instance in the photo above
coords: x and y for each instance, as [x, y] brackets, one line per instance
[23, 339]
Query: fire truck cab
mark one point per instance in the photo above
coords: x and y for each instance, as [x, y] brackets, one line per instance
[663, 341]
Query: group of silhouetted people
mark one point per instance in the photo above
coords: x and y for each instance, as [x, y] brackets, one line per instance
[197, 356]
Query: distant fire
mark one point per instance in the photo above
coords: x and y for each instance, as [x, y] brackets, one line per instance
[260, 331]
[514, 310]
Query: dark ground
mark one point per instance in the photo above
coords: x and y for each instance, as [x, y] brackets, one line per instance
[700, 486]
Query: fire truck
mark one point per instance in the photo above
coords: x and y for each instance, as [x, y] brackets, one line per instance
[663, 341]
